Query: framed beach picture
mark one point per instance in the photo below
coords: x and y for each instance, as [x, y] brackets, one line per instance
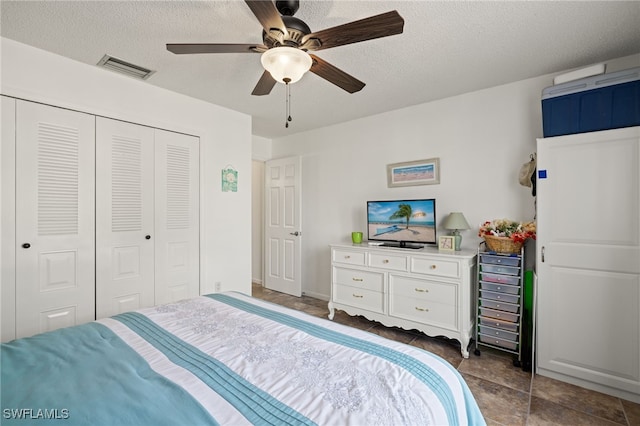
[446, 243]
[421, 172]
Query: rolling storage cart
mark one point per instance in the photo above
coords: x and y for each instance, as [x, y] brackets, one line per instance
[499, 302]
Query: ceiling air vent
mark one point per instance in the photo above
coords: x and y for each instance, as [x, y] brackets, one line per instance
[123, 67]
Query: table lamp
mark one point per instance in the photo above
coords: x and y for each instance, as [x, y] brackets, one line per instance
[456, 221]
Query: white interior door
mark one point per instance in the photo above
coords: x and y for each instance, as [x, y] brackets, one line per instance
[588, 261]
[55, 228]
[282, 225]
[177, 228]
[124, 217]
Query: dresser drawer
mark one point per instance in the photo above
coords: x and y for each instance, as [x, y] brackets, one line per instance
[368, 280]
[435, 267]
[423, 311]
[498, 333]
[418, 289]
[359, 298]
[385, 261]
[349, 257]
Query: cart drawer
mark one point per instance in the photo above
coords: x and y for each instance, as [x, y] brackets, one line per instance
[500, 260]
[501, 279]
[498, 334]
[499, 269]
[495, 323]
[494, 304]
[498, 342]
[502, 315]
[502, 297]
[501, 288]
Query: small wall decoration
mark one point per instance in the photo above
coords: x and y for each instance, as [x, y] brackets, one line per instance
[446, 243]
[421, 172]
[229, 179]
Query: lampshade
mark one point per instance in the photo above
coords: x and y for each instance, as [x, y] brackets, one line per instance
[456, 220]
[286, 63]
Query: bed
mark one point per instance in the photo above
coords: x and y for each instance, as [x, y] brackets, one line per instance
[227, 359]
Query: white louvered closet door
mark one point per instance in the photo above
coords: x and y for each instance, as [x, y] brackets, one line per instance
[55, 165]
[177, 216]
[124, 217]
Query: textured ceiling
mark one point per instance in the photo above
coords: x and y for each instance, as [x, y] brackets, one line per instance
[447, 48]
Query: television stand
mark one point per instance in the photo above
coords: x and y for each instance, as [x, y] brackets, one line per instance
[403, 245]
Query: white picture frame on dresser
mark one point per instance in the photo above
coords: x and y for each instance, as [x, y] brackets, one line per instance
[424, 289]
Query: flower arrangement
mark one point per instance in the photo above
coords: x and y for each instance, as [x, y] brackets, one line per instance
[518, 232]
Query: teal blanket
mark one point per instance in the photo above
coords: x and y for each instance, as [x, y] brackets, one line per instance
[86, 375]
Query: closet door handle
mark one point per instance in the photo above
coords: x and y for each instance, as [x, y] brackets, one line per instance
[26, 245]
[147, 237]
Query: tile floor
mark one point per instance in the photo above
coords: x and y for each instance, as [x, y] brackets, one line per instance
[506, 395]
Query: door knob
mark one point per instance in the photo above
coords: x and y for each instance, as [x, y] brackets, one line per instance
[26, 245]
[295, 233]
[147, 237]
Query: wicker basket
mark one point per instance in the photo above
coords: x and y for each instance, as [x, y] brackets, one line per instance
[502, 244]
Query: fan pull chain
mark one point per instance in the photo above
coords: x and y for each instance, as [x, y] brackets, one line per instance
[287, 102]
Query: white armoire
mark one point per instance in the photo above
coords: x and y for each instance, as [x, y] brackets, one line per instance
[103, 217]
[588, 260]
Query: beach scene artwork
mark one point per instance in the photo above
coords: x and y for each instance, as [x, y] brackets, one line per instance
[411, 221]
[423, 172]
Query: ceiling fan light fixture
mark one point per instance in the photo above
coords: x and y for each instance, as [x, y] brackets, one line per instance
[286, 64]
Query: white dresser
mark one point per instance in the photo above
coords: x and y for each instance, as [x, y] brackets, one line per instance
[422, 289]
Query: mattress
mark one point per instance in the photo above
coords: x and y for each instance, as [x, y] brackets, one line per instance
[227, 359]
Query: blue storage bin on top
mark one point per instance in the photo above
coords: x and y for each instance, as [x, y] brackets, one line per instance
[602, 102]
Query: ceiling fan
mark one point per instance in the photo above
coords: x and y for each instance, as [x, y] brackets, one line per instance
[286, 40]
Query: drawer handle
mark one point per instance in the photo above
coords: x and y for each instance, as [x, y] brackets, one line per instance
[347, 257]
[358, 295]
[420, 290]
[422, 309]
[385, 261]
[357, 279]
[433, 267]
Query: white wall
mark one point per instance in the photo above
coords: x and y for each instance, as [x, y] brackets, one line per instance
[225, 138]
[261, 151]
[482, 138]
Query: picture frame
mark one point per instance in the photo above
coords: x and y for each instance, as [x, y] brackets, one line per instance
[411, 173]
[446, 243]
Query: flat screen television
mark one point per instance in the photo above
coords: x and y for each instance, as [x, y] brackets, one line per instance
[402, 223]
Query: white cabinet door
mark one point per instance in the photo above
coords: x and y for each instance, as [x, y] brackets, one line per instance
[588, 260]
[124, 217]
[55, 232]
[176, 217]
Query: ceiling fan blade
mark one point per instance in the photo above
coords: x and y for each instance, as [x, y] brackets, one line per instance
[335, 75]
[268, 16]
[383, 25]
[187, 48]
[265, 84]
